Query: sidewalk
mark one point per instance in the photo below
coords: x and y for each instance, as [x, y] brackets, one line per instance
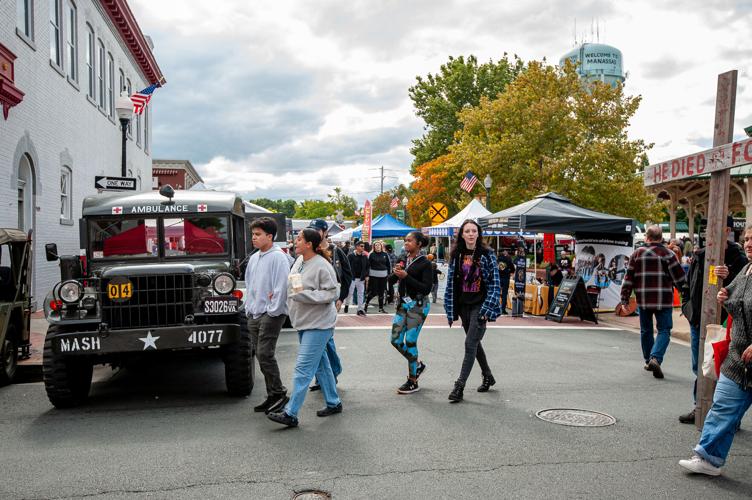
[632, 323]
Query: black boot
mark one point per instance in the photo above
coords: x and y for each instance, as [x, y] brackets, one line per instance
[488, 381]
[456, 395]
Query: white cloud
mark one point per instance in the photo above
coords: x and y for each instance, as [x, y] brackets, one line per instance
[292, 98]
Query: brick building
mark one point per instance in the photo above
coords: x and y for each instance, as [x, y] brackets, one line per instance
[179, 174]
[62, 65]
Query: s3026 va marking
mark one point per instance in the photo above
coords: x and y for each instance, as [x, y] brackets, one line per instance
[80, 344]
[200, 337]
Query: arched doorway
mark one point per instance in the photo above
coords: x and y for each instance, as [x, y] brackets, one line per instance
[26, 193]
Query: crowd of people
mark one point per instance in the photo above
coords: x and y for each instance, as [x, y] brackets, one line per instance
[323, 277]
[653, 272]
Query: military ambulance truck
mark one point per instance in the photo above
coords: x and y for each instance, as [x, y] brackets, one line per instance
[157, 271]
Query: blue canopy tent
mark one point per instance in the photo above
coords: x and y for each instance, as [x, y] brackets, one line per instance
[385, 226]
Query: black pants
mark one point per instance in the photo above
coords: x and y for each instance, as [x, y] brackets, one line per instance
[376, 288]
[504, 282]
[474, 331]
[264, 334]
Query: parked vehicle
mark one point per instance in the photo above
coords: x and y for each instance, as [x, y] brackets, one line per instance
[159, 272]
[15, 300]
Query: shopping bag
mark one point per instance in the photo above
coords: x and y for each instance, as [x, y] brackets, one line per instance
[717, 340]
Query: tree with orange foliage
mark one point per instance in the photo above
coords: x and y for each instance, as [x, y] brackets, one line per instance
[435, 181]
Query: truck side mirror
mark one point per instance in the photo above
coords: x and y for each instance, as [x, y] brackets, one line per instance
[50, 251]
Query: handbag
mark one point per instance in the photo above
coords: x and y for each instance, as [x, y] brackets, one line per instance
[717, 341]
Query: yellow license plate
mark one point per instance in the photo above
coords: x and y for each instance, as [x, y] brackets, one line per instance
[120, 291]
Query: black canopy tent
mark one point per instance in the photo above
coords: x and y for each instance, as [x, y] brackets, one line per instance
[553, 213]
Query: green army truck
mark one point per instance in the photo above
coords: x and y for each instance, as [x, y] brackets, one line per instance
[15, 300]
[157, 271]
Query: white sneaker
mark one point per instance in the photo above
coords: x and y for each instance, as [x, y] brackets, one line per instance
[699, 465]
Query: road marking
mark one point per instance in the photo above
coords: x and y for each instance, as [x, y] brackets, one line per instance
[488, 327]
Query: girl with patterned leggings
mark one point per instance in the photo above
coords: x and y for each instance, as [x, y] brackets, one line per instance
[415, 278]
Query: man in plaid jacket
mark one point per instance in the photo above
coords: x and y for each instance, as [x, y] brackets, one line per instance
[652, 273]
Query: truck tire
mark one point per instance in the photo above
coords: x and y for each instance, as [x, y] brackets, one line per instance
[67, 380]
[239, 365]
[8, 356]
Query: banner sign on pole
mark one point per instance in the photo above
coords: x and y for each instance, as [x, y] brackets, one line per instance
[367, 216]
[602, 265]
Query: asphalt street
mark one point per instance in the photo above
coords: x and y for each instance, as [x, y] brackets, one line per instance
[168, 430]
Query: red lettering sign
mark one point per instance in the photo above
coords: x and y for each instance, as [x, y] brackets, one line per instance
[729, 155]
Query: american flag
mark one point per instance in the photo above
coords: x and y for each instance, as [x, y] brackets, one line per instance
[395, 202]
[142, 98]
[468, 182]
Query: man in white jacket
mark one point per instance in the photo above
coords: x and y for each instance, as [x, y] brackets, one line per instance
[266, 307]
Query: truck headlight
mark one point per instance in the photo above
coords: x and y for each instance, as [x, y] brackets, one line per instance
[71, 291]
[224, 283]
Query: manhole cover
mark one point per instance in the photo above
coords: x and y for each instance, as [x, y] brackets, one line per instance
[312, 495]
[576, 417]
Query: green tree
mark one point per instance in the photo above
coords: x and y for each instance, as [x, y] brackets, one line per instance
[341, 201]
[458, 84]
[313, 209]
[286, 207]
[549, 131]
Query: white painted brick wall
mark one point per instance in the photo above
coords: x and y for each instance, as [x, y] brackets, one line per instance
[59, 119]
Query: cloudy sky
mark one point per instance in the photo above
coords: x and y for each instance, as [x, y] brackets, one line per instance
[288, 99]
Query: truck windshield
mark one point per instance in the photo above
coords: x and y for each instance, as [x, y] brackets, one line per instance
[196, 235]
[123, 238]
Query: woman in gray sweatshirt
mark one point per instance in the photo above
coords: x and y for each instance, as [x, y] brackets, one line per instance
[311, 295]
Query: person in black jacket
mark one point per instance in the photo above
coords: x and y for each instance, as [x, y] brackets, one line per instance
[378, 264]
[415, 282]
[359, 267]
[506, 269]
[344, 278]
[392, 263]
[734, 261]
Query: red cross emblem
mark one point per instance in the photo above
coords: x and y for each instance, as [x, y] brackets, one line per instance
[202, 207]
[117, 210]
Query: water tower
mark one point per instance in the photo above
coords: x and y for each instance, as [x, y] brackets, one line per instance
[596, 62]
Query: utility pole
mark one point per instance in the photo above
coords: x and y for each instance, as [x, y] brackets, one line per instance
[381, 176]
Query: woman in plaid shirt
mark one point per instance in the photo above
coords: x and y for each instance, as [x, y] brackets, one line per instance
[472, 294]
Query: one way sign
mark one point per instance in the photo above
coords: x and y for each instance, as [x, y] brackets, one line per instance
[120, 183]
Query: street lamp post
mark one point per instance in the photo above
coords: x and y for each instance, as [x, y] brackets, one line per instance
[404, 209]
[487, 183]
[124, 108]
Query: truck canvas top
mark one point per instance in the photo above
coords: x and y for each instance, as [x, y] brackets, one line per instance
[152, 203]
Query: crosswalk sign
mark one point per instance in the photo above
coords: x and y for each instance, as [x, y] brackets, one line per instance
[438, 212]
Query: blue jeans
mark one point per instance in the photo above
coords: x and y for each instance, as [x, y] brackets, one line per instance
[331, 353]
[664, 321]
[694, 342]
[312, 360]
[730, 403]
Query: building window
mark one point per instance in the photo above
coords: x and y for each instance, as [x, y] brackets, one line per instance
[25, 18]
[128, 90]
[92, 76]
[100, 72]
[71, 40]
[56, 55]
[66, 200]
[110, 85]
[121, 82]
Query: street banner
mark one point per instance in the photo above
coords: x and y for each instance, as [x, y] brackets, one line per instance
[602, 262]
[520, 273]
[367, 215]
[549, 241]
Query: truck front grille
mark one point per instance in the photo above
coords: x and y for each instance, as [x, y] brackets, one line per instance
[163, 300]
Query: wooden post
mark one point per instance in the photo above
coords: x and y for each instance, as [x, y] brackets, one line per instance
[715, 246]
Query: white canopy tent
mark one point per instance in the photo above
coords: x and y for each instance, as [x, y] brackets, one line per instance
[473, 210]
[345, 235]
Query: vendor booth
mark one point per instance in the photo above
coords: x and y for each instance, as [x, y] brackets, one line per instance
[602, 249]
[384, 226]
